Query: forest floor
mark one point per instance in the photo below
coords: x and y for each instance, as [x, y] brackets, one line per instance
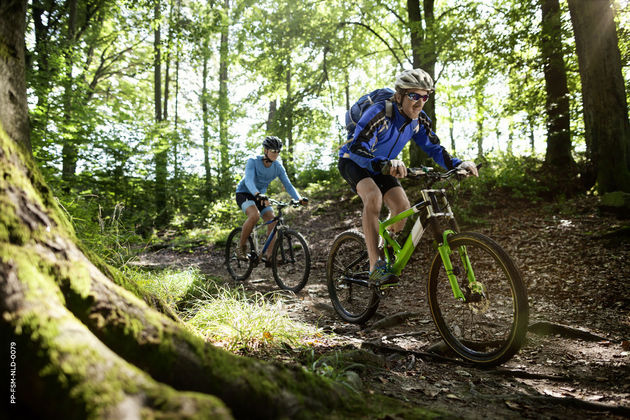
[575, 362]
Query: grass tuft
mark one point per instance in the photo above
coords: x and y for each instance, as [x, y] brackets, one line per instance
[171, 286]
[244, 323]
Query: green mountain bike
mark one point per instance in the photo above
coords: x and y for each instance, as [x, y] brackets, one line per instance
[476, 294]
[290, 259]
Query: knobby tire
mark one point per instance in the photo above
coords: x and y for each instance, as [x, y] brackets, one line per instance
[239, 270]
[291, 260]
[347, 273]
[489, 328]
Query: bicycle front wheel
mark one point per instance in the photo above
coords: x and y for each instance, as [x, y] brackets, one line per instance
[238, 269]
[291, 260]
[490, 325]
[347, 274]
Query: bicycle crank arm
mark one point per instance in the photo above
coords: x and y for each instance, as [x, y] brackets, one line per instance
[354, 280]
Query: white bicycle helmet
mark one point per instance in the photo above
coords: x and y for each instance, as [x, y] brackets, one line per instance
[414, 79]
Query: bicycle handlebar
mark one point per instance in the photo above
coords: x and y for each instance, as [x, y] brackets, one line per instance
[294, 203]
[435, 176]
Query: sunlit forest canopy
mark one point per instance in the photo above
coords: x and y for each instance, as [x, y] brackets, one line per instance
[156, 105]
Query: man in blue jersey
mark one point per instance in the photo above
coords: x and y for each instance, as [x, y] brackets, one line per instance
[379, 137]
[250, 192]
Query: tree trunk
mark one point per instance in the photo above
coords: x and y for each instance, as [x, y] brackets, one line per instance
[13, 106]
[167, 62]
[224, 102]
[161, 150]
[70, 153]
[478, 136]
[40, 77]
[423, 51]
[558, 159]
[205, 118]
[607, 129]
[288, 158]
[271, 115]
[177, 182]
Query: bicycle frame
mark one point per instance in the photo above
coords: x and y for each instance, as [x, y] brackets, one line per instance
[431, 198]
[272, 235]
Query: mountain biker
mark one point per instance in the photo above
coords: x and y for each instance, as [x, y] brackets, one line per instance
[377, 140]
[250, 192]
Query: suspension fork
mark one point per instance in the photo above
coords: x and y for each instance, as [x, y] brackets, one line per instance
[445, 252]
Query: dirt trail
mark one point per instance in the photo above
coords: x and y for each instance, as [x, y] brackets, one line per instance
[576, 362]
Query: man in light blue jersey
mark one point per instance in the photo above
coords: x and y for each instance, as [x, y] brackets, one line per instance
[250, 192]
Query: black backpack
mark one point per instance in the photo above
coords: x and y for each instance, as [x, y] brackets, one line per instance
[353, 115]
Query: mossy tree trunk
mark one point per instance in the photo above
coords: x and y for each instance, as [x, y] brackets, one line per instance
[85, 347]
[13, 108]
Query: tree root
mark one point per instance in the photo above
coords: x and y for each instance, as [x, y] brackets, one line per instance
[550, 328]
[378, 345]
[582, 404]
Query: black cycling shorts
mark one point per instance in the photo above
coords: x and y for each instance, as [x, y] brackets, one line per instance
[249, 199]
[353, 173]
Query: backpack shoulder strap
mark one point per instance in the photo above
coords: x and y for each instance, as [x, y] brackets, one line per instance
[389, 108]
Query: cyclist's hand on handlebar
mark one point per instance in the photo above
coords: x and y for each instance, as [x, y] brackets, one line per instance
[262, 199]
[470, 167]
[392, 167]
[304, 201]
[397, 168]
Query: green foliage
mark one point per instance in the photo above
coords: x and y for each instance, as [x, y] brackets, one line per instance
[228, 316]
[516, 176]
[92, 101]
[336, 367]
[173, 287]
[503, 180]
[240, 322]
[317, 177]
[103, 230]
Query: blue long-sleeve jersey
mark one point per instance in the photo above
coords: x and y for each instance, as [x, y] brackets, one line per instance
[378, 138]
[258, 177]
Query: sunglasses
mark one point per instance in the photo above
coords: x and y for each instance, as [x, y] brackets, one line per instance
[416, 96]
[273, 150]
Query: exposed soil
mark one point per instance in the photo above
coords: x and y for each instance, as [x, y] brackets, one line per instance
[575, 363]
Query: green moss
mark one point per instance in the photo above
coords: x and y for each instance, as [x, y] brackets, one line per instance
[77, 372]
[19, 170]
[38, 285]
[16, 232]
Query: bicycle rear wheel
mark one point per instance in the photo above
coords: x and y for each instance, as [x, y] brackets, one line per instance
[238, 269]
[291, 260]
[347, 274]
[488, 328]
